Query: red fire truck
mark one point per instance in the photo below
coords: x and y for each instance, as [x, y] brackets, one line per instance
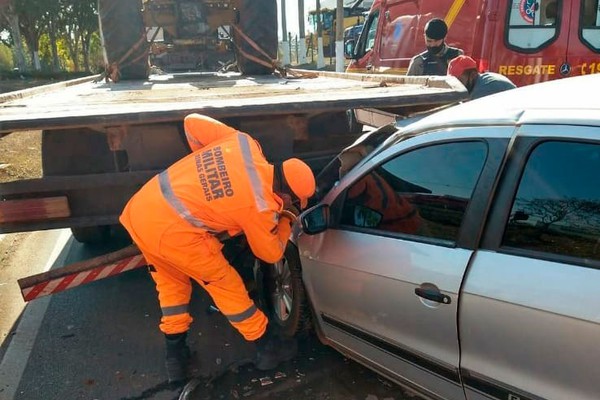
[528, 41]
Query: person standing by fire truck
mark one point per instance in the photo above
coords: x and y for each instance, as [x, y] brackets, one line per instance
[434, 60]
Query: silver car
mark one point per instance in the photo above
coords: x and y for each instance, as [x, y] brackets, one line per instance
[460, 256]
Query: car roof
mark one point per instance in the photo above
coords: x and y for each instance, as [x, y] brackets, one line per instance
[569, 101]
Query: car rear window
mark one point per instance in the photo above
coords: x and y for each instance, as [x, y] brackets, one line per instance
[557, 205]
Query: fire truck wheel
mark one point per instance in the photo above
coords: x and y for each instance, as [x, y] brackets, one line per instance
[91, 234]
[258, 20]
[122, 29]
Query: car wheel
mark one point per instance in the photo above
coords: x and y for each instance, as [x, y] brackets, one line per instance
[285, 295]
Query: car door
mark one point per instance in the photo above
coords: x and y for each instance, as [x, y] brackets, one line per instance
[384, 279]
[529, 318]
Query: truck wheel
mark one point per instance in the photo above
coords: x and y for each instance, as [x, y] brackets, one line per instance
[258, 20]
[91, 234]
[122, 29]
[286, 296]
[78, 151]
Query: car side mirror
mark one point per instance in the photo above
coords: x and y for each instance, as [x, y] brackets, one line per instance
[315, 220]
[349, 48]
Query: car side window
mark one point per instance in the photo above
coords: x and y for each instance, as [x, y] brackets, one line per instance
[557, 205]
[424, 192]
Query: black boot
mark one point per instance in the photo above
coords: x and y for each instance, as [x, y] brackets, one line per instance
[273, 349]
[178, 357]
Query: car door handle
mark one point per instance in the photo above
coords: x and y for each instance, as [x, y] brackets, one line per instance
[433, 294]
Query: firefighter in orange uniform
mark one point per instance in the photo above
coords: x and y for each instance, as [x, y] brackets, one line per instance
[224, 187]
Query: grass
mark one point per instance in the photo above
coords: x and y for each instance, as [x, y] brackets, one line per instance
[20, 156]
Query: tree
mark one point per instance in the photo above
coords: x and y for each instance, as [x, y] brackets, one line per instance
[80, 22]
[51, 20]
[10, 21]
[32, 23]
[547, 212]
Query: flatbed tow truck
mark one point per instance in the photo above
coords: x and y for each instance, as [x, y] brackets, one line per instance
[101, 141]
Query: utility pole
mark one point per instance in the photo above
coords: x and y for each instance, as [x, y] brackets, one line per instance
[302, 40]
[339, 36]
[285, 45]
[320, 58]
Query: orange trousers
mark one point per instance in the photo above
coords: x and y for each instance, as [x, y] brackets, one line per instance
[177, 252]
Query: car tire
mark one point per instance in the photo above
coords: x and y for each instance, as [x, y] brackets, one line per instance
[286, 299]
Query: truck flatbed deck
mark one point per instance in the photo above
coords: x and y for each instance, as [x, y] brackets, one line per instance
[102, 141]
[171, 97]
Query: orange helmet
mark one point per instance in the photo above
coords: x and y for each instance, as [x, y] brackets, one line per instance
[299, 178]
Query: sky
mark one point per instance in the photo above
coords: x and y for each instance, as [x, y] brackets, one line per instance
[291, 11]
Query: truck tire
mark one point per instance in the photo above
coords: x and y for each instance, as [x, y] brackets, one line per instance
[258, 20]
[81, 151]
[287, 302]
[122, 29]
[91, 234]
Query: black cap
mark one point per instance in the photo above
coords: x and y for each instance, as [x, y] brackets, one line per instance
[436, 29]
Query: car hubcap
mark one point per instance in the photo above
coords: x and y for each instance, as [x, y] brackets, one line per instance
[282, 295]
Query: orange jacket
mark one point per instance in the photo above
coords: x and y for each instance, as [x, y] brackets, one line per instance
[226, 184]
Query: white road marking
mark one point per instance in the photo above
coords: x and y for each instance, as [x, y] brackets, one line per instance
[17, 355]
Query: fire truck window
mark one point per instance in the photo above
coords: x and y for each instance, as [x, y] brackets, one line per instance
[590, 14]
[533, 24]
[590, 23]
[371, 32]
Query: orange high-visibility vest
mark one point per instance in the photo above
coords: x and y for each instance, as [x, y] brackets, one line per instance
[225, 185]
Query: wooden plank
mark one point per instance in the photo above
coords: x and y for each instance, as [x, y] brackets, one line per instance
[34, 209]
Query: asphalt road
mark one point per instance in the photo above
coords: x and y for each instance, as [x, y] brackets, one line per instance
[101, 341]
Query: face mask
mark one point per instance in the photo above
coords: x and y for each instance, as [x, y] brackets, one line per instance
[433, 50]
